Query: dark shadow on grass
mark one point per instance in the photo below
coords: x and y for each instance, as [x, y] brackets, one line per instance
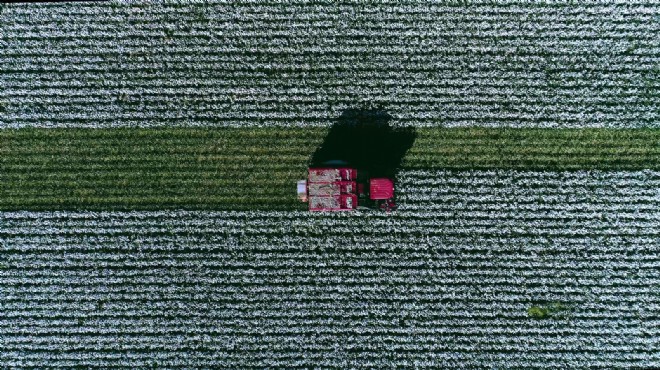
[364, 139]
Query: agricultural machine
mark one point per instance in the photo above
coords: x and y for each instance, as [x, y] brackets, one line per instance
[345, 189]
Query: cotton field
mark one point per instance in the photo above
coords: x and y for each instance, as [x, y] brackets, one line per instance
[450, 285]
[492, 63]
[527, 245]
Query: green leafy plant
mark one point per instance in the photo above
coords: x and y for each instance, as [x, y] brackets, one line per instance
[552, 309]
[537, 312]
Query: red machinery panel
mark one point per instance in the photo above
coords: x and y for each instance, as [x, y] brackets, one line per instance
[381, 188]
[332, 174]
[332, 189]
[344, 202]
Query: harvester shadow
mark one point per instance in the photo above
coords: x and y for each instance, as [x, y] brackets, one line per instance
[364, 139]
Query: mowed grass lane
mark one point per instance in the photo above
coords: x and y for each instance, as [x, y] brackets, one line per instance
[255, 168]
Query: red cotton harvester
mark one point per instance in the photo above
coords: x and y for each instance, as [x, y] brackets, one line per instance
[341, 189]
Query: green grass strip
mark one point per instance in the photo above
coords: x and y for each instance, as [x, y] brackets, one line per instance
[229, 168]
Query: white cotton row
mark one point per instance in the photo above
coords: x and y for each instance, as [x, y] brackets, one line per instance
[255, 64]
[446, 286]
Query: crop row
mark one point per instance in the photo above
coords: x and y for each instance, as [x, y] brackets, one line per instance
[449, 286]
[497, 202]
[257, 168]
[512, 64]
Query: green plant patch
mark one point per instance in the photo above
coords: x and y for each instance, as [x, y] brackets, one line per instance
[549, 310]
[256, 168]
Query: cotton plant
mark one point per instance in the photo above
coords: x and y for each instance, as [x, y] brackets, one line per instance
[325, 58]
